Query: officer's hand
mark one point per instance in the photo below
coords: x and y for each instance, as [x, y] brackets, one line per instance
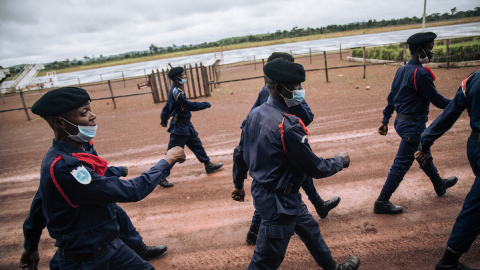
[126, 170]
[208, 104]
[383, 129]
[174, 155]
[29, 259]
[346, 157]
[421, 157]
[238, 194]
[164, 124]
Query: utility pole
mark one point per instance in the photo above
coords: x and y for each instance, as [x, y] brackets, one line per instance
[424, 11]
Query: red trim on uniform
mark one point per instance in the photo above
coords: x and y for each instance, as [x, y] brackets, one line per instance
[282, 132]
[98, 164]
[415, 79]
[176, 97]
[90, 142]
[431, 73]
[464, 85]
[52, 174]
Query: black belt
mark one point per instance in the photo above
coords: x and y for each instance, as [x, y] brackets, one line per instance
[291, 188]
[82, 257]
[177, 119]
[412, 118]
[475, 136]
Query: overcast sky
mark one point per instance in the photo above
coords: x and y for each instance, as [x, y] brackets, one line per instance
[42, 31]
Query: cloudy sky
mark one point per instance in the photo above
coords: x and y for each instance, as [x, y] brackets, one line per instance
[42, 31]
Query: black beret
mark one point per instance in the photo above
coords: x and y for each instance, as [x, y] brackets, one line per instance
[174, 72]
[283, 55]
[421, 38]
[284, 71]
[61, 100]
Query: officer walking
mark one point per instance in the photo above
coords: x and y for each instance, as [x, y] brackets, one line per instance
[78, 196]
[467, 225]
[181, 128]
[410, 96]
[300, 109]
[274, 150]
[35, 223]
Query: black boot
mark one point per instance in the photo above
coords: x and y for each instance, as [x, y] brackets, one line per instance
[384, 206]
[323, 207]
[211, 167]
[449, 261]
[164, 183]
[353, 263]
[441, 189]
[148, 253]
[252, 235]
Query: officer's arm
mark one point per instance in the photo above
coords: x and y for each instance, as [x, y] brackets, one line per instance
[165, 114]
[299, 153]
[240, 168]
[116, 171]
[427, 89]
[443, 122]
[302, 111]
[34, 224]
[388, 111]
[191, 106]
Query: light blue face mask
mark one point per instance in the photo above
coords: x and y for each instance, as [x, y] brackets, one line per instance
[298, 96]
[85, 133]
[183, 81]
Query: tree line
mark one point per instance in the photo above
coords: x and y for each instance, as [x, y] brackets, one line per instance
[279, 34]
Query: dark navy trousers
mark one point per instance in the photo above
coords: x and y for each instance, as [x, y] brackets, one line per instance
[467, 225]
[192, 141]
[274, 236]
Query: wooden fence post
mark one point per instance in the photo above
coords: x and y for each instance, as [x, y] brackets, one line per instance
[254, 62]
[79, 85]
[310, 55]
[153, 87]
[204, 72]
[111, 93]
[326, 69]
[123, 77]
[187, 84]
[364, 67]
[340, 51]
[160, 83]
[447, 53]
[198, 81]
[165, 81]
[24, 106]
[192, 81]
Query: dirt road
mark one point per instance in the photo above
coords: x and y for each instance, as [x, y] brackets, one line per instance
[199, 222]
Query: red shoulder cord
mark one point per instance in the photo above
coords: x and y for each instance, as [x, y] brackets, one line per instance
[98, 164]
[282, 136]
[464, 85]
[415, 76]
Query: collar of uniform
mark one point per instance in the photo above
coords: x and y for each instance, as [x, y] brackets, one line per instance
[63, 147]
[414, 62]
[176, 85]
[277, 104]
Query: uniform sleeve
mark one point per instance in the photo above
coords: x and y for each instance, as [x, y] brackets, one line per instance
[240, 168]
[388, 111]
[164, 115]
[187, 105]
[34, 224]
[427, 89]
[443, 122]
[116, 171]
[110, 189]
[302, 111]
[301, 155]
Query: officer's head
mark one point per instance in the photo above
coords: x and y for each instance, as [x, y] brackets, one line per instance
[282, 78]
[177, 75]
[67, 110]
[283, 55]
[421, 45]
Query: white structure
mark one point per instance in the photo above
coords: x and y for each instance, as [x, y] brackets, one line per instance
[22, 80]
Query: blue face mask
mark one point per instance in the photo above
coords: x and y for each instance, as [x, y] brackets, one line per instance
[182, 81]
[85, 133]
[298, 96]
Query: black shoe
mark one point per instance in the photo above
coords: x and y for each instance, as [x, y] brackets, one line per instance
[164, 183]
[386, 207]
[211, 167]
[148, 253]
[447, 183]
[351, 264]
[458, 266]
[324, 207]
[252, 235]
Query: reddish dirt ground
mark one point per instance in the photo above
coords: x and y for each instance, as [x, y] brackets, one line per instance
[199, 222]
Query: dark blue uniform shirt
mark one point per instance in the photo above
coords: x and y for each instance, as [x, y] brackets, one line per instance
[408, 100]
[302, 110]
[467, 97]
[89, 220]
[261, 153]
[178, 104]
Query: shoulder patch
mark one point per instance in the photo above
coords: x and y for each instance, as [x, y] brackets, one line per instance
[177, 92]
[464, 85]
[82, 175]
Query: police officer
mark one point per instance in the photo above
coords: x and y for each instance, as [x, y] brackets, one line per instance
[181, 128]
[78, 196]
[302, 111]
[467, 225]
[35, 223]
[410, 96]
[274, 150]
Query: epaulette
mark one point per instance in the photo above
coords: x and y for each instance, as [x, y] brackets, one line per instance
[415, 76]
[177, 92]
